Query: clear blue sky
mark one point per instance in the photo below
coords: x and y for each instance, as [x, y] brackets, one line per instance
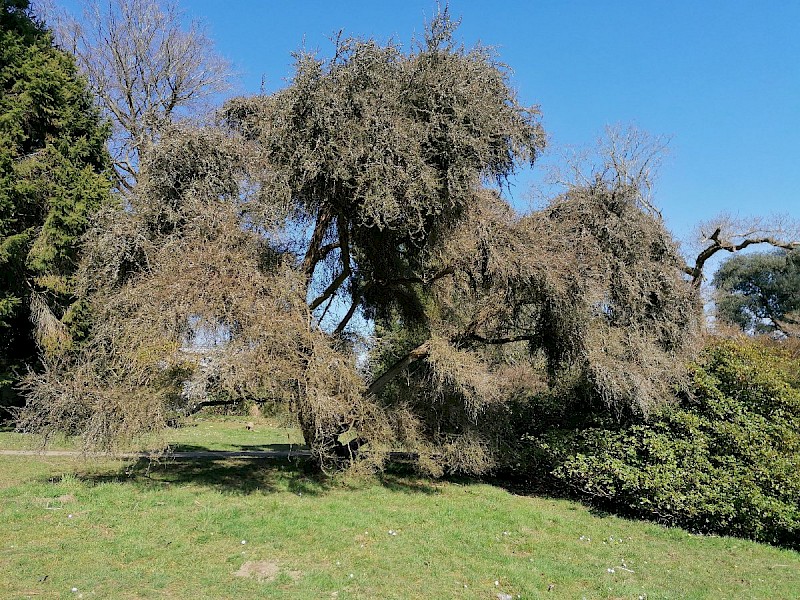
[721, 78]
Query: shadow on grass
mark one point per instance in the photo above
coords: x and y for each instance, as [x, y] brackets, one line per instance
[541, 486]
[229, 476]
[402, 478]
[548, 488]
[238, 447]
[252, 476]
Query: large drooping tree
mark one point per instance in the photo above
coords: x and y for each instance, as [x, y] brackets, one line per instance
[171, 277]
[367, 193]
[383, 156]
[377, 153]
[584, 298]
[54, 173]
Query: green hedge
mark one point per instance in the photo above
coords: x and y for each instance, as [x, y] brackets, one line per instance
[726, 461]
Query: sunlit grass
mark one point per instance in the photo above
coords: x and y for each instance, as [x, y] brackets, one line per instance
[233, 433]
[11, 440]
[195, 433]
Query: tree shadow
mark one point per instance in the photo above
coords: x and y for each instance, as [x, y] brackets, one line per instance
[401, 478]
[407, 486]
[239, 448]
[539, 487]
[244, 476]
[235, 476]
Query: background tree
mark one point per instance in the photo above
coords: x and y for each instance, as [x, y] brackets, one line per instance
[760, 292]
[147, 68]
[726, 233]
[54, 173]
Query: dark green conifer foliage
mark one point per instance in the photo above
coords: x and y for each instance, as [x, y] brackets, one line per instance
[53, 175]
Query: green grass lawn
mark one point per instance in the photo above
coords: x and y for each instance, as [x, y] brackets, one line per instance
[176, 530]
[231, 433]
[10, 440]
[197, 433]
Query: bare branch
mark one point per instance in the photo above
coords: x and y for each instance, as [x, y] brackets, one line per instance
[732, 234]
[315, 253]
[624, 158]
[344, 248]
[425, 281]
[196, 408]
[146, 68]
[414, 355]
[502, 340]
[347, 317]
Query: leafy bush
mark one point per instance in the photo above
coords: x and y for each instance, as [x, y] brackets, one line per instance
[727, 460]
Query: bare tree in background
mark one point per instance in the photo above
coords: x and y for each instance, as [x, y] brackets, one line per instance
[629, 158]
[148, 67]
[626, 157]
[727, 233]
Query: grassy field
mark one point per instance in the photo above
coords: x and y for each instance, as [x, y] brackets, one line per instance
[216, 433]
[232, 433]
[252, 528]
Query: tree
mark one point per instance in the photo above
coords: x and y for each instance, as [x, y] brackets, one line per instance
[373, 182]
[760, 292]
[732, 234]
[53, 176]
[175, 265]
[146, 69]
[381, 156]
[583, 301]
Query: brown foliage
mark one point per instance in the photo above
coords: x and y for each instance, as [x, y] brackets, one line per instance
[380, 152]
[630, 317]
[203, 303]
[365, 183]
[592, 286]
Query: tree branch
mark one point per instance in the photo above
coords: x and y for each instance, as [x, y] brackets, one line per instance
[500, 341]
[696, 272]
[783, 324]
[423, 281]
[414, 355]
[195, 408]
[346, 319]
[313, 254]
[344, 243]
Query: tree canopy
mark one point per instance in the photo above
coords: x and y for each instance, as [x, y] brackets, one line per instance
[371, 186]
[53, 176]
[760, 292]
[381, 152]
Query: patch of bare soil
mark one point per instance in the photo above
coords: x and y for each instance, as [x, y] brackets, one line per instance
[263, 570]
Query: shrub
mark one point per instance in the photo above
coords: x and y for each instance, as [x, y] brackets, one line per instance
[726, 460]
